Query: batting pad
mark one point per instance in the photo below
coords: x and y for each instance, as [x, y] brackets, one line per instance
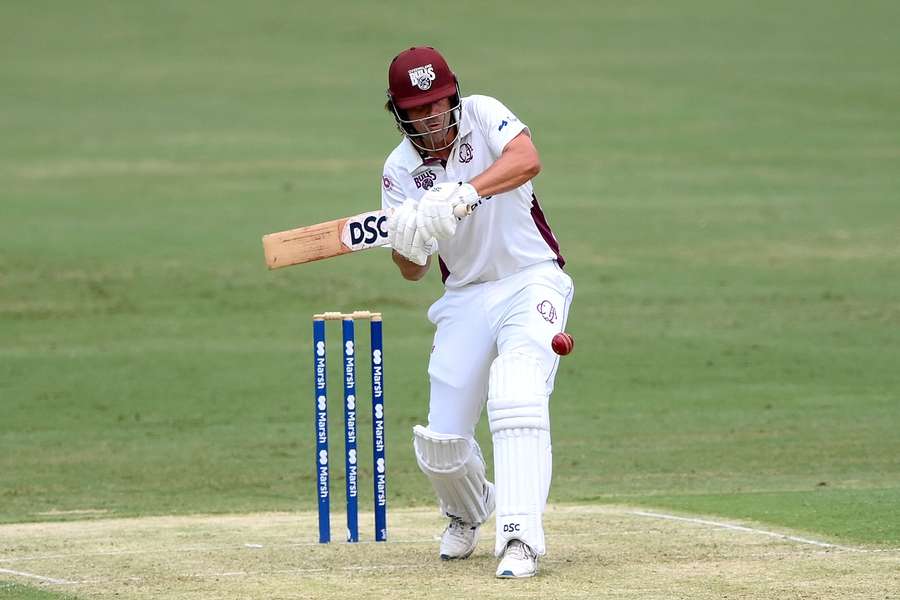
[518, 410]
[517, 393]
[456, 469]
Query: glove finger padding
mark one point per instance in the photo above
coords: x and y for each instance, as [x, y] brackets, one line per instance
[406, 232]
[417, 249]
[396, 221]
[407, 237]
[436, 219]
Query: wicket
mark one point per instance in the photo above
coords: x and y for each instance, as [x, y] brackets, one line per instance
[320, 377]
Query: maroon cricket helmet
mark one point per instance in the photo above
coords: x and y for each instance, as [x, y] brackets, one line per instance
[419, 76]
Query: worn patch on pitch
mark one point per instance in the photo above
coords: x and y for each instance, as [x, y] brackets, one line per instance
[593, 552]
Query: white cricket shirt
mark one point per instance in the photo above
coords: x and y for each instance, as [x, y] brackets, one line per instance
[506, 232]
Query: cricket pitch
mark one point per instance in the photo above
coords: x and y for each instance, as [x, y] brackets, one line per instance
[593, 552]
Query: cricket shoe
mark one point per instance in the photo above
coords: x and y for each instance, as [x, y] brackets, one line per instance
[518, 561]
[460, 538]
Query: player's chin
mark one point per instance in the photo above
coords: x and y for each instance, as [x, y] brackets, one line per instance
[434, 141]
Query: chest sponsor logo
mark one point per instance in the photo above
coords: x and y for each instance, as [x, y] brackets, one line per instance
[425, 181]
[466, 153]
[421, 77]
[547, 310]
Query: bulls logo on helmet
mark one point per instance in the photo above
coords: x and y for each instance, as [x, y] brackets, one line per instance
[421, 77]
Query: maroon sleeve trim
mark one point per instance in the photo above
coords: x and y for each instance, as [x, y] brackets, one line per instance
[445, 272]
[540, 222]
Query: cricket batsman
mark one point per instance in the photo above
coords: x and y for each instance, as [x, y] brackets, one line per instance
[506, 297]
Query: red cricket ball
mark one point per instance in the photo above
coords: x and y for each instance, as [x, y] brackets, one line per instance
[563, 343]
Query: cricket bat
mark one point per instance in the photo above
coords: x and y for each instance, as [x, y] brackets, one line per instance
[331, 238]
[324, 240]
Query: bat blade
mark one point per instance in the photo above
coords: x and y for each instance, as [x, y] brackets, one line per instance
[324, 240]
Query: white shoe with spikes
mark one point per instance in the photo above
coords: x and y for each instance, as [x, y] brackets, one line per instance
[518, 561]
[458, 540]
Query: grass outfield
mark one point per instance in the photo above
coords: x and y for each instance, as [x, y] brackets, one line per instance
[724, 181]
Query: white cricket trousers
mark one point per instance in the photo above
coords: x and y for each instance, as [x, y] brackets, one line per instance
[521, 313]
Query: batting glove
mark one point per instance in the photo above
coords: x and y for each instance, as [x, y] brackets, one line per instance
[405, 236]
[436, 218]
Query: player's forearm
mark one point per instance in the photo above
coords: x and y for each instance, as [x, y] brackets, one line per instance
[518, 163]
[408, 269]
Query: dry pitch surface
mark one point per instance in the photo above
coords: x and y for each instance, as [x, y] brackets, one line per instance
[595, 552]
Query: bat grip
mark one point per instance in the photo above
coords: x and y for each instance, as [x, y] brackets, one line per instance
[462, 210]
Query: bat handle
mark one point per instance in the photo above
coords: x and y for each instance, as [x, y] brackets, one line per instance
[462, 210]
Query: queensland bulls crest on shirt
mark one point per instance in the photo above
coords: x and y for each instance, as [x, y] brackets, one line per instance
[425, 181]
